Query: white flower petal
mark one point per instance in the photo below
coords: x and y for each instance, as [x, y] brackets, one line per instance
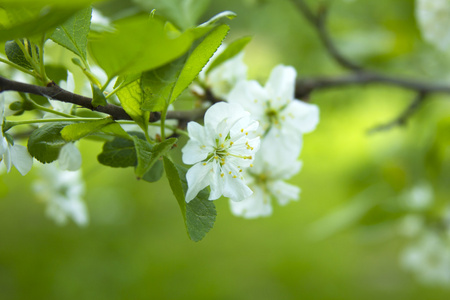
[7, 158]
[193, 152]
[198, 177]
[251, 96]
[236, 189]
[284, 192]
[257, 205]
[21, 159]
[221, 111]
[302, 117]
[69, 157]
[281, 83]
[217, 183]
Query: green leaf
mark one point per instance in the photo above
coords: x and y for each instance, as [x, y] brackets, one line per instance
[157, 85]
[198, 59]
[15, 53]
[162, 86]
[232, 49]
[139, 44]
[98, 98]
[175, 184]
[155, 173]
[45, 142]
[116, 130]
[131, 98]
[77, 131]
[183, 13]
[147, 155]
[73, 33]
[34, 18]
[200, 213]
[118, 153]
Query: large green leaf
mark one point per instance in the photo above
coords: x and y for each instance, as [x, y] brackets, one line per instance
[200, 213]
[232, 49]
[131, 97]
[147, 154]
[34, 18]
[45, 142]
[162, 86]
[77, 131]
[138, 44]
[73, 33]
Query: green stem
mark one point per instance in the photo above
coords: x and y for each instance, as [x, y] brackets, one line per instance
[27, 122]
[163, 121]
[49, 110]
[41, 60]
[106, 84]
[22, 69]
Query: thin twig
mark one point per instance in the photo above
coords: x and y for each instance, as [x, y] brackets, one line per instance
[403, 117]
[318, 21]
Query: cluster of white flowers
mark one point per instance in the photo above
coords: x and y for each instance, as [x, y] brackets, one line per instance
[427, 255]
[225, 151]
[62, 192]
[433, 18]
[60, 189]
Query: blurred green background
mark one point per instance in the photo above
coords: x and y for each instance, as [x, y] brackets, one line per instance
[135, 246]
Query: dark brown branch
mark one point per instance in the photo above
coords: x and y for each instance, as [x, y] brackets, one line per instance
[54, 92]
[403, 117]
[305, 86]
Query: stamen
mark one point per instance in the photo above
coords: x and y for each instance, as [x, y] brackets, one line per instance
[234, 176]
[221, 175]
[251, 165]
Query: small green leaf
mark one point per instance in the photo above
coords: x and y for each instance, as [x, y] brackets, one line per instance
[15, 54]
[162, 86]
[200, 213]
[98, 98]
[232, 49]
[77, 131]
[118, 153]
[147, 154]
[74, 32]
[155, 173]
[45, 142]
[139, 44]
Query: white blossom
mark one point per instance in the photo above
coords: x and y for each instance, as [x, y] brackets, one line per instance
[283, 119]
[429, 259]
[219, 152]
[62, 192]
[266, 180]
[11, 153]
[433, 18]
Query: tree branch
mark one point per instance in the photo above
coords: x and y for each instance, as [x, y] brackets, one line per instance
[53, 91]
[358, 74]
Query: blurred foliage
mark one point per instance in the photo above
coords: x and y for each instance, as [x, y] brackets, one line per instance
[135, 246]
